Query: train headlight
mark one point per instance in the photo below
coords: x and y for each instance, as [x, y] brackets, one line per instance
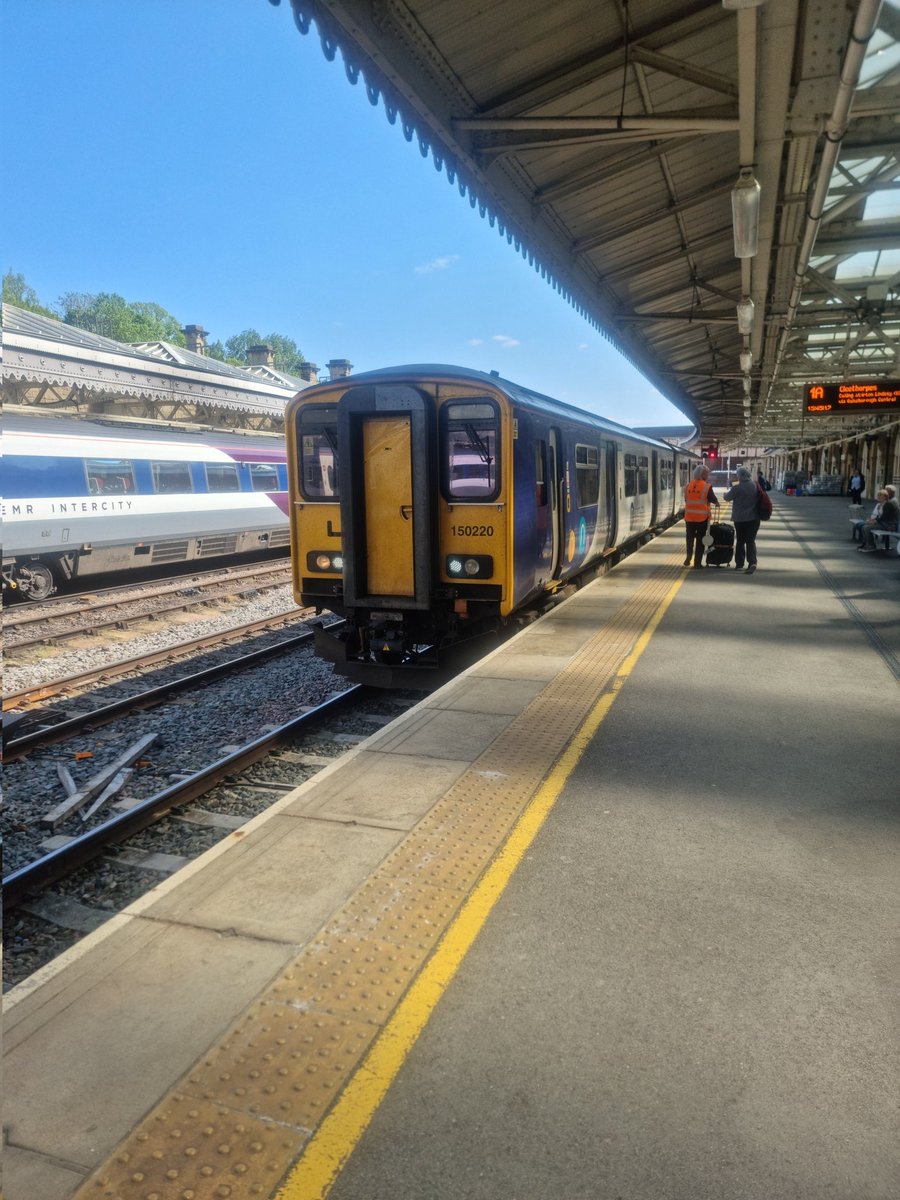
[321, 560]
[475, 566]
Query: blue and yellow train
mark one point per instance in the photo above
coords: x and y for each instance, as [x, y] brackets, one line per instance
[430, 504]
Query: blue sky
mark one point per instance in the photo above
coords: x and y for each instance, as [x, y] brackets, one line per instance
[204, 155]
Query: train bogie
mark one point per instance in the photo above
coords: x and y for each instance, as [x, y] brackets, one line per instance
[431, 505]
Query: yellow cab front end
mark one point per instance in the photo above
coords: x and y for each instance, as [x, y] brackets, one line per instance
[400, 487]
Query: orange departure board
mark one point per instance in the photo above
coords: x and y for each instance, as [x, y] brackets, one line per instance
[858, 396]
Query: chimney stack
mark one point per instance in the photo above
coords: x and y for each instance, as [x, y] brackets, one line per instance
[309, 371]
[340, 368]
[261, 356]
[195, 336]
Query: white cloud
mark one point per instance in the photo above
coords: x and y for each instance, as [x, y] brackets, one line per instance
[506, 342]
[476, 341]
[437, 264]
[583, 346]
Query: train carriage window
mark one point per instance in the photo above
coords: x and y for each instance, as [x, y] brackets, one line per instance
[222, 477]
[587, 475]
[263, 477]
[469, 438]
[171, 477]
[317, 438]
[109, 476]
[643, 475]
[630, 474]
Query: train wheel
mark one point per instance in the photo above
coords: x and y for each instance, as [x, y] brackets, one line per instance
[35, 581]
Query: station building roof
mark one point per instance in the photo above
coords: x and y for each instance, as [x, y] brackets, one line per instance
[49, 362]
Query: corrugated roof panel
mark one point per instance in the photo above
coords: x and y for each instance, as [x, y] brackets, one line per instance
[527, 98]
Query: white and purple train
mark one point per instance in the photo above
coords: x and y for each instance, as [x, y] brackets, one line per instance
[85, 496]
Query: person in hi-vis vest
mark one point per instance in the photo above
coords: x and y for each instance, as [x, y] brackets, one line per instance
[698, 499]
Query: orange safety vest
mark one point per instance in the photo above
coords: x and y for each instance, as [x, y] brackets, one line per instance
[696, 506]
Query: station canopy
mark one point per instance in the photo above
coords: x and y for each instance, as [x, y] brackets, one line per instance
[605, 139]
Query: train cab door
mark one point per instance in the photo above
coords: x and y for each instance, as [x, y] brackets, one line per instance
[557, 503]
[386, 496]
[654, 487]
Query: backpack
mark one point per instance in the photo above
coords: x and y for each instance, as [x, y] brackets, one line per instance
[764, 503]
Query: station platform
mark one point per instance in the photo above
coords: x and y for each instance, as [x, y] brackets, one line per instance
[611, 915]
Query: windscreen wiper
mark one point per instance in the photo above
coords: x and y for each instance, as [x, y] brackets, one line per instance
[477, 442]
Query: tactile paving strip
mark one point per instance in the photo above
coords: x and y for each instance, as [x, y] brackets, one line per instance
[242, 1115]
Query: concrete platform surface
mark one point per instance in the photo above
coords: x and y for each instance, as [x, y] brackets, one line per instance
[686, 988]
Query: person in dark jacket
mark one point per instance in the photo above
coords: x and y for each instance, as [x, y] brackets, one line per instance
[762, 481]
[744, 498]
[856, 486]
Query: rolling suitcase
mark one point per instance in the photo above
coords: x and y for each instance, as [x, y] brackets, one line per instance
[721, 552]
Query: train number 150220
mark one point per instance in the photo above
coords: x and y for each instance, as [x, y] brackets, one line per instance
[472, 530]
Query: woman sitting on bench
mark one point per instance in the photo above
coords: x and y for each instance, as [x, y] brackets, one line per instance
[888, 521]
[859, 526]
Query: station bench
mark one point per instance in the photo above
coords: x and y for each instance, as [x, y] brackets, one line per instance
[886, 538]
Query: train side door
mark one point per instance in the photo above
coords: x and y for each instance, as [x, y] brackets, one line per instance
[386, 496]
[608, 494]
[625, 474]
[654, 486]
[557, 504]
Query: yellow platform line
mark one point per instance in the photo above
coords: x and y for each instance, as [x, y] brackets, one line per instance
[332, 1144]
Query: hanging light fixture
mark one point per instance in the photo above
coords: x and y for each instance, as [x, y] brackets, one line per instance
[745, 214]
[746, 360]
[746, 382]
[745, 315]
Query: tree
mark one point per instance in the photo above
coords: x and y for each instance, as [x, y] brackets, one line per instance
[109, 314]
[16, 291]
[288, 357]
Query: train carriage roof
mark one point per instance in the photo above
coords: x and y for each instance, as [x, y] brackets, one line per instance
[438, 372]
[95, 432]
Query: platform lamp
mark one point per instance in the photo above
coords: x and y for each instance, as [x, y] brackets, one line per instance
[746, 361]
[745, 214]
[745, 311]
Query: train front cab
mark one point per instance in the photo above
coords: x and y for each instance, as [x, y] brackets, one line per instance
[400, 520]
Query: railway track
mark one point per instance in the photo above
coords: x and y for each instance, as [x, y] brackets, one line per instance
[80, 881]
[23, 742]
[26, 698]
[52, 623]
